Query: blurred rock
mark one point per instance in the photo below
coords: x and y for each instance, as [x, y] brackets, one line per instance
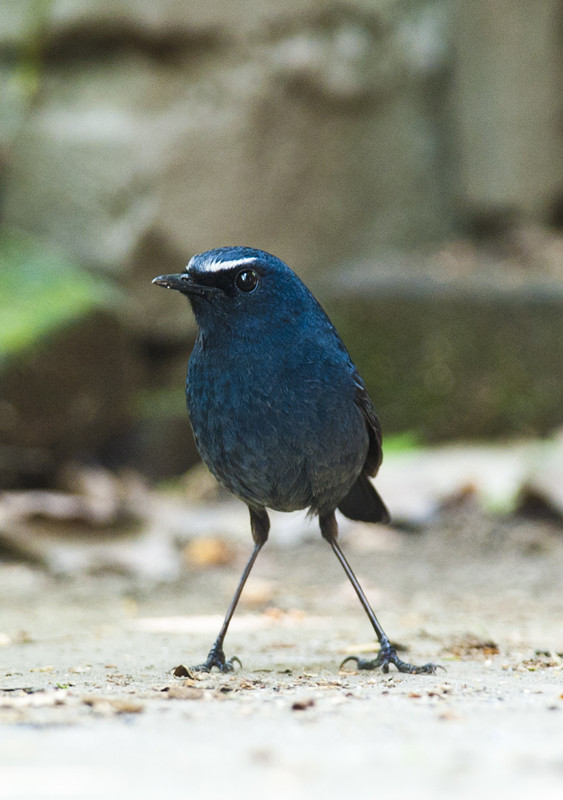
[64, 398]
[458, 344]
[507, 79]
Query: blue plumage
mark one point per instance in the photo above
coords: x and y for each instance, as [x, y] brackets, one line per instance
[272, 397]
[279, 412]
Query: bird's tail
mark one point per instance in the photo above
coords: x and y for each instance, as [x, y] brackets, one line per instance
[363, 503]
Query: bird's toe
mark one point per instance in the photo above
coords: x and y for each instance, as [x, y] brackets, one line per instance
[388, 655]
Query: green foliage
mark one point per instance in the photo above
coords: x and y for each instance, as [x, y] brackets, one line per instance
[40, 291]
[403, 442]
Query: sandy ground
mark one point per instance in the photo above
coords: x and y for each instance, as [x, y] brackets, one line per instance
[89, 707]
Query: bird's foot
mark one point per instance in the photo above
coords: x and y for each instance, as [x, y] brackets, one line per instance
[216, 658]
[388, 655]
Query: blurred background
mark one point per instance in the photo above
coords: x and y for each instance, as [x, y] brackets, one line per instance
[405, 157]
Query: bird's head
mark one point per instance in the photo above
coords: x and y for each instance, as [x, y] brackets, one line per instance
[240, 286]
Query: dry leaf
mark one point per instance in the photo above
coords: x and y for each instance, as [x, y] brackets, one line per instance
[208, 552]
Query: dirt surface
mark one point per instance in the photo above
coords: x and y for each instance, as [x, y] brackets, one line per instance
[89, 707]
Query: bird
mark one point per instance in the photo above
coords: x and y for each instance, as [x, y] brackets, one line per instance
[279, 412]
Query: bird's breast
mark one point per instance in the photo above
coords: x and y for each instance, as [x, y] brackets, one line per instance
[275, 431]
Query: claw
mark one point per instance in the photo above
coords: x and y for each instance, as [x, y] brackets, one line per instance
[216, 658]
[388, 655]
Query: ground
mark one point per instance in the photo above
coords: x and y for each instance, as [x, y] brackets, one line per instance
[89, 707]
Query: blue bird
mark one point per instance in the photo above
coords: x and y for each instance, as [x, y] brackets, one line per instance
[279, 412]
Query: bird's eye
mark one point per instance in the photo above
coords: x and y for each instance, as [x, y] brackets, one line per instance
[246, 280]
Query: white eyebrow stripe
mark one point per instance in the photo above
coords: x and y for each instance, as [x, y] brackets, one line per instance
[218, 266]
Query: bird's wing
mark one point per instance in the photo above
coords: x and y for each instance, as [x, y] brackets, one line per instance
[375, 453]
[363, 501]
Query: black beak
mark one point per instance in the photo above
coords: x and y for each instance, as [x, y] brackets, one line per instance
[172, 281]
[182, 282]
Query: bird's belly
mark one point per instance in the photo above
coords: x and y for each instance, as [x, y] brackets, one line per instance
[267, 462]
[256, 467]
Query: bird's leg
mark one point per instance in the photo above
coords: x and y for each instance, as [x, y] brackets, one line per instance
[260, 526]
[387, 654]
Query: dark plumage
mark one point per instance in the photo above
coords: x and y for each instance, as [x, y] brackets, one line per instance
[279, 412]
